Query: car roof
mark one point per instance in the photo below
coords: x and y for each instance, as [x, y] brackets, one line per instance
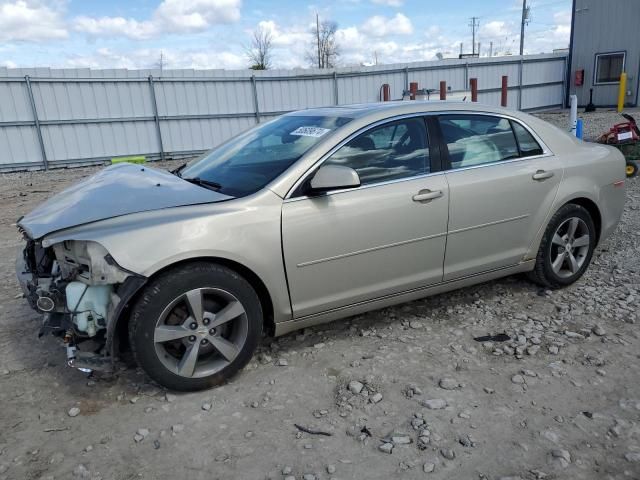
[400, 107]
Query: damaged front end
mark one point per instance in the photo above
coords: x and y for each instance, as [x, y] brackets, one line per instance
[81, 292]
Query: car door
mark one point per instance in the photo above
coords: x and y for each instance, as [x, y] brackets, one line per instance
[502, 183]
[384, 237]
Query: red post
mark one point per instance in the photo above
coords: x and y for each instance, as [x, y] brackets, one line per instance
[413, 88]
[503, 96]
[443, 90]
[473, 82]
[386, 92]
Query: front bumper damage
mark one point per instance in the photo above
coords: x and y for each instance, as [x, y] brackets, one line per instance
[81, 292]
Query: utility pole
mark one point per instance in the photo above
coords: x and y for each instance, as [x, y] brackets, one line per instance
[525, 21]
[474, 23]
[318, 38]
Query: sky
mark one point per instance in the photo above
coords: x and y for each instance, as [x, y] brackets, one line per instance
[206, 34]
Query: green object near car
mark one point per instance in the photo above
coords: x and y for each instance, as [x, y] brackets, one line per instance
[139, 159]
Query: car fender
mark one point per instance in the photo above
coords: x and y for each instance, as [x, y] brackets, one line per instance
[245, 231]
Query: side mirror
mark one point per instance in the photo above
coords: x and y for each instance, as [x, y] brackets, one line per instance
[334, 177]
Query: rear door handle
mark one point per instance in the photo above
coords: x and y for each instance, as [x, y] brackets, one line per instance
[542, 175]
[427, 195]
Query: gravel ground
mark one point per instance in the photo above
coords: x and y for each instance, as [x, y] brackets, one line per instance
[594, 123]
[403, 392]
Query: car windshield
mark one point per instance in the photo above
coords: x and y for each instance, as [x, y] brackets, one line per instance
[251, 160]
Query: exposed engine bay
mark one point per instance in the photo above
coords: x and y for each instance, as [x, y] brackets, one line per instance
[75, 285]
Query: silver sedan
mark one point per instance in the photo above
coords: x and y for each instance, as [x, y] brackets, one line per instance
[317, 215]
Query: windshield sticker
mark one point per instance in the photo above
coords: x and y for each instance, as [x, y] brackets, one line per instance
[310, 131]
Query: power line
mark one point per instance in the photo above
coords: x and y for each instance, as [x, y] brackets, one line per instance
[474, 23]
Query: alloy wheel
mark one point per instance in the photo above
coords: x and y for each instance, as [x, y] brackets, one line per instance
[200, 332]
[570, 247]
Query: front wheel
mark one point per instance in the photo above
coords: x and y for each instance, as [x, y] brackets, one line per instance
[195, 326]
[566, 248]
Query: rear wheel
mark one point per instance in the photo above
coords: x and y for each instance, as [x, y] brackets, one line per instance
[631, 169]
[195, 326]
[566, 248]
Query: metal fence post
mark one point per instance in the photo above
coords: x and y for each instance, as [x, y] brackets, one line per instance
[406, 77]
[154, 105]
[335, 87]
[45, 163]
[520, 83]
[256, 107]
[565, 82]
[466, 75]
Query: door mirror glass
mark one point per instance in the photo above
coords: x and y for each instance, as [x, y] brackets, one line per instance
[334, 177]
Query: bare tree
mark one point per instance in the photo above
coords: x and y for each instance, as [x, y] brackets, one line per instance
[325, 52]
[260, 51]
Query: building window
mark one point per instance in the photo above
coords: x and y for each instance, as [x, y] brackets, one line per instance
[609, 66]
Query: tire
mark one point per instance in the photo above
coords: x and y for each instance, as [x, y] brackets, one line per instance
[550, 270]
[631, 169]
[195, 326]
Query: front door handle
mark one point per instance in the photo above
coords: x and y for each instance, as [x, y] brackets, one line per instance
[427, 195]
[542, 175]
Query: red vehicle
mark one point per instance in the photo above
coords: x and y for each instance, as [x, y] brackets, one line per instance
[626, 137]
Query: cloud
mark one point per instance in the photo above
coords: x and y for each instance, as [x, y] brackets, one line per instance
[389, 3]
[171, 16]
[8, 64]
[379, 26]
[495, 29]
[31, 21]
[149, 58]
[115, 26]
[196, 15]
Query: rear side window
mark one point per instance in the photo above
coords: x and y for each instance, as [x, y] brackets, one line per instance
[527, 144]
[478, 139]
[391, 151]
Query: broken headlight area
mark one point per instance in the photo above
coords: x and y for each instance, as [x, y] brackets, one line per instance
[75, 285]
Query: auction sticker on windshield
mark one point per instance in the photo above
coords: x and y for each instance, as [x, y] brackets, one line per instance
[310, 131]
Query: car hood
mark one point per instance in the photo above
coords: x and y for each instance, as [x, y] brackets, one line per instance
[114, 191]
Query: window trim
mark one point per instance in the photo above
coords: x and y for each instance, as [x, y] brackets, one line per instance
[311, 170]
[446, 161]
[604, 54]
[439, 159]
[515, 135]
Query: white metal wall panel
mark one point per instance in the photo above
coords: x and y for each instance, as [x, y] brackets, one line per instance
[14, 102]
[363, 89]
[104, 140]
[284, 95]
[19, 145]
[192, 98]
[454, 76]
[533, 97]
[90, 114]
[201, 134]
[90, 100]
[490, 76]
[543, 72]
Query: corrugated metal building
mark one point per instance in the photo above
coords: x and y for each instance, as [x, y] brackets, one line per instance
[605, 41]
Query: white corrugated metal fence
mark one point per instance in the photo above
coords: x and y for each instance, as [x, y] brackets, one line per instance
[52, 117]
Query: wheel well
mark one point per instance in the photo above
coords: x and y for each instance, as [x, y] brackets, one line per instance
[593, 210]
[121, 332]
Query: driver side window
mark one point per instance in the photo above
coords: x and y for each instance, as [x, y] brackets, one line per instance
[391, 151]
